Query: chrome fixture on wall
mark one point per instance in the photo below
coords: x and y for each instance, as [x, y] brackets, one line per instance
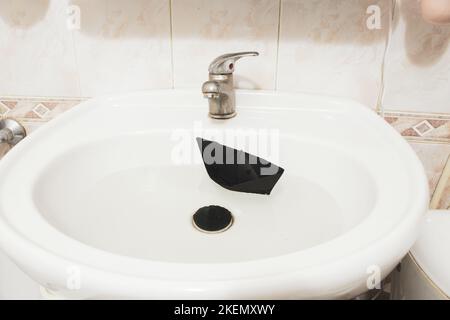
[219, 88]
[11, 132]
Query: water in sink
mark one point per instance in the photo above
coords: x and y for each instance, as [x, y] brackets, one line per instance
[130, 201]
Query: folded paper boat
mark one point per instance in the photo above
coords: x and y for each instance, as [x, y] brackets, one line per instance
[237, 170]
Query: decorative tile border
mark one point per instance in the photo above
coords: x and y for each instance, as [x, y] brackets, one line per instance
[420, 126]
[429, 135]
[37, 109]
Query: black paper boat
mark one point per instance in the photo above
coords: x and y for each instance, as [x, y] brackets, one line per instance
[238, 170]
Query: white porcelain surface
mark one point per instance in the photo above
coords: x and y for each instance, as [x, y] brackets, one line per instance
[205, 29]
[432, 248]
[123, 46]
[417, 73]
[409, 282]
[36, 49]
[105, 197]
[14, 284]
[325, 47]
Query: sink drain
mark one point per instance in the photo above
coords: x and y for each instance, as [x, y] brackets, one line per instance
[212, 219]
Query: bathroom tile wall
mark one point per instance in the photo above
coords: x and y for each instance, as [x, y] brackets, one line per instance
[320, 46]
[417, 69]
[134, 45]
[331, 50]
[205, 29]
[37, 54]
[120, 46]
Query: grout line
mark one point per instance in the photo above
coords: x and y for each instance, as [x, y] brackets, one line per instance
[278, 45]
[380, 106]
[171, 43]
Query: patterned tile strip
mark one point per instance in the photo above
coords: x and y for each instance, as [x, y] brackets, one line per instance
[421, 127]
[33, 112]
[429, 135]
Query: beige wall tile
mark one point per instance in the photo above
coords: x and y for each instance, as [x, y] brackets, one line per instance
[417, 74]
[123, 45]
[205, 29]
[433, 157]
[421, 126]
[326, 48]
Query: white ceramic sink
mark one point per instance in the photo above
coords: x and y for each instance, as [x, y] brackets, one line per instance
[96, 204]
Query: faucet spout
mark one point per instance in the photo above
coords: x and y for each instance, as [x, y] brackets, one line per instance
[211, 90]
[5, 135]
[220, 94]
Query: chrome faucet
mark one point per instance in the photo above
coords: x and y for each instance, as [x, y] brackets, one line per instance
[219, 89]
[11, 132]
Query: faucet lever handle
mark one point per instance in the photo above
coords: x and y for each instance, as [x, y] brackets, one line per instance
[224, 64]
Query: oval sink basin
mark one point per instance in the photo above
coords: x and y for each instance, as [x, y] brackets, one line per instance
[105, 195]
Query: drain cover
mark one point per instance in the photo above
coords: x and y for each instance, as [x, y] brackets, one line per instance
[212, 219]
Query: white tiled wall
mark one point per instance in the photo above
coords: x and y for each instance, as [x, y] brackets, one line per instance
[320, 46]
[418, 63]
[123, 45]
[37, 55]
[326, 47]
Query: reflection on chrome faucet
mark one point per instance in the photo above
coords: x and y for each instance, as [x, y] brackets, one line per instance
[219, 89]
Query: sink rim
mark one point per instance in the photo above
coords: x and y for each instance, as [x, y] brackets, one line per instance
[26, 249]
